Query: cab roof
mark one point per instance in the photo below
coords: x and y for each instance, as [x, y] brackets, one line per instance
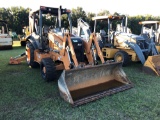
[148, 22]
[111, 17]
[50, 10]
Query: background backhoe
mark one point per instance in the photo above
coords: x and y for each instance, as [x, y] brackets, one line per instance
[6, 41]
[123, 46]
[151, 29]
[69, 59]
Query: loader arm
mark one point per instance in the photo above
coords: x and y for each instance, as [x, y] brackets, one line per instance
[89, 39]
[72, 50]
[59, 43]
[93, 39]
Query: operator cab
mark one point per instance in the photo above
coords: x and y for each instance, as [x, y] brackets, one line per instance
[51, 23]
[151, 29]
[42, 32]
[107, 37]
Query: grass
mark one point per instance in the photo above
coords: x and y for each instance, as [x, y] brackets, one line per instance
[24, 95]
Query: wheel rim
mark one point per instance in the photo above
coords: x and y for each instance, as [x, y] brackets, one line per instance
[119, 58]
[43, 72]
[28, 54]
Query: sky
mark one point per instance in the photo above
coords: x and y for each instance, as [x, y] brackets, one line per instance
[130, 7]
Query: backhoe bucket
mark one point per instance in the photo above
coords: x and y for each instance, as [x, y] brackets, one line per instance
[79, 86]
[152, 65]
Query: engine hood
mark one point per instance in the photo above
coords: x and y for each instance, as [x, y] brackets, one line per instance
[74, 39]
[132, 36]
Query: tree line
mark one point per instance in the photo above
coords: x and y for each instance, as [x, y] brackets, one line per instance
[17, 18]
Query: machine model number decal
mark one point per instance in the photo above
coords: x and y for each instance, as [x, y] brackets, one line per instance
[75, 41]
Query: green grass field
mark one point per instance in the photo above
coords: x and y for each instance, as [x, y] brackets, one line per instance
[24, 95]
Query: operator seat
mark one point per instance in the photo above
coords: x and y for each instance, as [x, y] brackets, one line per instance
[119, 28]
[103, 36]
[45, 29]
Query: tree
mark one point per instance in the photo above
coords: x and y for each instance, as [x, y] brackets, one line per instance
[103, 12]
[90, 21]
[16, 17]
[78, 13]
[65, 22]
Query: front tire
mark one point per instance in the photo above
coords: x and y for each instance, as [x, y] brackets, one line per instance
[122, 56]
[48, 69]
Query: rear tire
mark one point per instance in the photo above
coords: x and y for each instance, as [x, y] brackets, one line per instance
[48, 69]
[122, 56]
[30, 55]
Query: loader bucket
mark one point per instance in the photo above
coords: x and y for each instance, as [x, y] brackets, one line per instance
[79, 86]
[152, 65]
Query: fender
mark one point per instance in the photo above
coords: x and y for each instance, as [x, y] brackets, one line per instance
[33, 41]
[137, 50]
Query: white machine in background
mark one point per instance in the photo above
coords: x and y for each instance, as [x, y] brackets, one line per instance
[6, 41]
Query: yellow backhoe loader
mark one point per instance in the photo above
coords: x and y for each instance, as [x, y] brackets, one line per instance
[56, 50]
[123, 46]
[151, 31]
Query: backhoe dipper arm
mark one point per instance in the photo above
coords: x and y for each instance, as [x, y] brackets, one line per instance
[63, 49]
[89, 39]
[18, 59]
[85, 27]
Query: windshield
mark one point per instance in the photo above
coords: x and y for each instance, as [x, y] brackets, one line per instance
[153, 26]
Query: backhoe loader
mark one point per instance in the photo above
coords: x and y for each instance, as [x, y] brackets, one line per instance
[123, 46]
[151, 29]
[6, 40]
[56, 50]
